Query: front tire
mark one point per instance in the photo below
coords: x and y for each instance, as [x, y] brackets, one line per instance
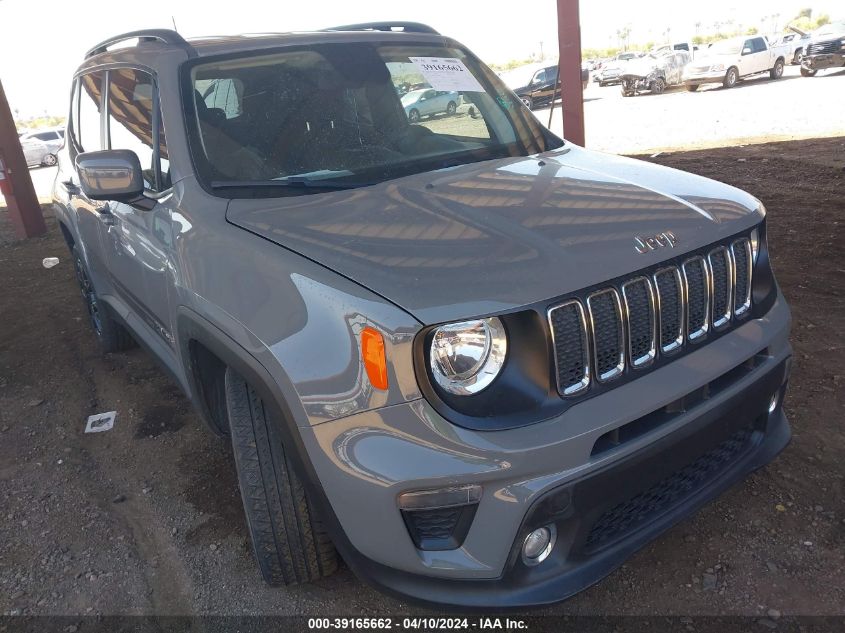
[658, 86]
[528, 102]
[731, 77]
[777, 70]
[692, 87]
[49, 160]
[414, 116]
[111, 335]
[290, 543]
[806, 72]
[451, 108]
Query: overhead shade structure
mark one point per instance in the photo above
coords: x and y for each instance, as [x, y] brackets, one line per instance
[572, 93]
[15, 183]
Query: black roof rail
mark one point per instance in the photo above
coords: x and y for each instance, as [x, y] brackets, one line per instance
[406, 27]
[166, 36]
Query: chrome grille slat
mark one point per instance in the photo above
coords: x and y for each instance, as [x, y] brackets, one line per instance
[721, 287]
[742, 266]
[697, 287]
[640, 319]
[571, 345]
[671, 307]
[605, 310]
[632, 323]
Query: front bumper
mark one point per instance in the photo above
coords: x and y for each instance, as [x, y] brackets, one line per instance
[704, 78]
[554, 472]
[820, 62]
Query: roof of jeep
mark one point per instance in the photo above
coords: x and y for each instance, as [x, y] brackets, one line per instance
[152, 43]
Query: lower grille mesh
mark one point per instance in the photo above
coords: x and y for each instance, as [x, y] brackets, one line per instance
[645, 506]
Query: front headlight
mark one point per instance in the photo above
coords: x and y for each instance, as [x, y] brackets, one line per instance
[466, 357]
[716, 68]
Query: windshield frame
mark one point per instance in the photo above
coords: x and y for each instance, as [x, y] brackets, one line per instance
[202, 169]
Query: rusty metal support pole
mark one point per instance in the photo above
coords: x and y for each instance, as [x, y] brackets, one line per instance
[572, 92]
[24, 210]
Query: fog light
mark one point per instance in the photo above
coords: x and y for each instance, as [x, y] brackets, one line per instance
[773, 403]
[538, 545]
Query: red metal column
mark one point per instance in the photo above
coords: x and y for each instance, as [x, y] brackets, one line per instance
[17, 188]
[572, 94]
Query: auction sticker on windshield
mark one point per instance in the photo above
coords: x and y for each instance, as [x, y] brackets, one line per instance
[446, 73]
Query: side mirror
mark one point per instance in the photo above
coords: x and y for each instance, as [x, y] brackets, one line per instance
[746, 50]
[113, 174]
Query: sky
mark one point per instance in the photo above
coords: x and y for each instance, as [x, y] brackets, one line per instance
[43, 41]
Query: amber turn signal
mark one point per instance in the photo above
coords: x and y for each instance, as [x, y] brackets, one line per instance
[375, 362]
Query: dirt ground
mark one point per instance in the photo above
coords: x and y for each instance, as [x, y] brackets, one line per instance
[146, 518]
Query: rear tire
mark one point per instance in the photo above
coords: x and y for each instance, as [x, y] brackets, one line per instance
[414, 116]
[528, 102]
[290, 543]
[111, 335]
[49, 160]
[796, 58]
[451, 108]
[777, 70]
[731, 77]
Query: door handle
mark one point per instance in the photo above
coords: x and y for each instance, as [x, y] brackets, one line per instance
[70, 187]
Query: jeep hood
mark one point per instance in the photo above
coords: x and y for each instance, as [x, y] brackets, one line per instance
[490, 237]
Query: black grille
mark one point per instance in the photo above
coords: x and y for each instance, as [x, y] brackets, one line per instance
[720, 270]
[570, 339]
[740, 250]
[671, 309]
[607, 333]
[439, 528]
[695, 272]
[638, 303]
[649, 504]
[636, 322]
[823, 48]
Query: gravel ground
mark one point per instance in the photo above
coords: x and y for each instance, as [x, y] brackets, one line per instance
[146, 518]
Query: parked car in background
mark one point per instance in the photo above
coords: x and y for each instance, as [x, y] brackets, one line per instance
[611, 71]
[796, 43]
[728, 61]
[654, 72]
[825, 49]
[428, 102]
[40, 147]
[544, 86]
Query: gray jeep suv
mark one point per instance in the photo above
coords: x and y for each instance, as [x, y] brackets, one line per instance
[481, 364]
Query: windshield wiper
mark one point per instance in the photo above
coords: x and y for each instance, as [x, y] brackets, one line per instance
[296, 183]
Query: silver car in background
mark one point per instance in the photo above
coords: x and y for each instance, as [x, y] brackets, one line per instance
[41, 146]
[428, 102]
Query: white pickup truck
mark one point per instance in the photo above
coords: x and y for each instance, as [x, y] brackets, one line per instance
[728, 61]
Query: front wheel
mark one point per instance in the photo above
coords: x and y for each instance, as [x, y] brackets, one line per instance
[528, 102]
[49, 160]
[290, 543]
[692, 87]
[731, 77]
[806, 72]
[451, 108]
[777, 70]
[658, 86]
[414, 116]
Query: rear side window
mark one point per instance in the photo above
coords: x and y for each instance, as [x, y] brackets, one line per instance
[87, 129]
[132, 110]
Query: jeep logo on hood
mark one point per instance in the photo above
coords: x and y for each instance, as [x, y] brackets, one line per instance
[653, 242]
